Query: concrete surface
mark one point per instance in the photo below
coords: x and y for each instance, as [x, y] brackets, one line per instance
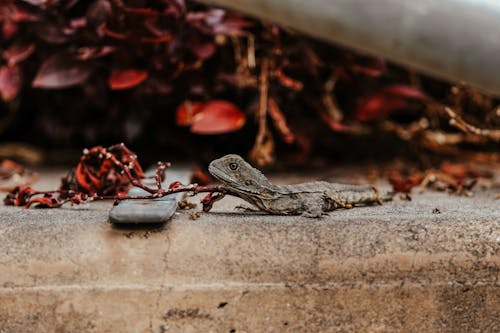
[393, 268]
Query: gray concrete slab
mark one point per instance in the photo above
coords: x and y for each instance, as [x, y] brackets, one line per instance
[396, 267]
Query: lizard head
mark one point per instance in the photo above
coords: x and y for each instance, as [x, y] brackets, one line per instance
[234, 172]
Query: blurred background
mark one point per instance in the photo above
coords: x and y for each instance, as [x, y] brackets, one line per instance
[179, 79]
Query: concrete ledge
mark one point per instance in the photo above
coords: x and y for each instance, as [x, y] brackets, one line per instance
[396, 267]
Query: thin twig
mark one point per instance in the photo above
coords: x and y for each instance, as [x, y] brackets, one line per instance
[461, 124]
[263, 149]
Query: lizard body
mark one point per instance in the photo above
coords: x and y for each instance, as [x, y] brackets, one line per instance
[311, 199]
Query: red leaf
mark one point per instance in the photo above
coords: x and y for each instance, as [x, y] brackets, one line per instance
[9, 29]
[387, 100]
[10, 82]
[126, 78]
[215, 117]
[61, 71]
[186, 111]
[404, 184]
[17, 53]
[204, 50]
[458, 171]
[19, 196]
[18, 14]
[47, 201]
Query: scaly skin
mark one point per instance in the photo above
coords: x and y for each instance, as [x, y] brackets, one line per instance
[309, 199]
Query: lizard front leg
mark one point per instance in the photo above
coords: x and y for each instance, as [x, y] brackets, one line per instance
[313, 207]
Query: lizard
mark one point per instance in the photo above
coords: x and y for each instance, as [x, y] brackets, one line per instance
[312, 199]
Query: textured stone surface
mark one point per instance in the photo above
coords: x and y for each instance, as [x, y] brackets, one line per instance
[397, 267]
[159, 210]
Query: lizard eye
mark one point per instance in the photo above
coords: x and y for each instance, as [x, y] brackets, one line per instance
[233, 166]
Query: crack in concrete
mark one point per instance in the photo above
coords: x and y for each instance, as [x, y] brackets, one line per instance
[163, 282]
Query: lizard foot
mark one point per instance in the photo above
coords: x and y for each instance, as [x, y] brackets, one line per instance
[314, 211]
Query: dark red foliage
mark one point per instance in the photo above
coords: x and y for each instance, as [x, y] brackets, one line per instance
[48, 200]
[458, 170]
[175, 184]
[17, 53]
[126, 78]
[61, 71]
[214, 117]
[404, 184]
[70, 59]
[10, 82]
[19, 196]
[387, 100]
[98, 173]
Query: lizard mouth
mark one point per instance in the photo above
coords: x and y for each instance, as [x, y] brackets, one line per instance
[226, 179]
[220, 174]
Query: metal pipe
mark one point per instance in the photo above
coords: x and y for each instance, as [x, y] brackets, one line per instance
[456, 40]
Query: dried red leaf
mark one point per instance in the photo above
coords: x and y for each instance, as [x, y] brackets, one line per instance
[19, 196]
[217, 117]
[10, 82]
[49, 200]
[387, 100]
[458, 170]
[9, 29]
[97, 172]
[404, 184]
[126, 78]
[18, 14]
[17, 53]
[204, 50]
[186, 111]
[53, 33]
[61, 71]
[78, 198]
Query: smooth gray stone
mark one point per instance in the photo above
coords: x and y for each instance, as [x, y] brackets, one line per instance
[158, 210]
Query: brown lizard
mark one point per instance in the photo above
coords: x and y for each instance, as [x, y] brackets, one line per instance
[309, 199]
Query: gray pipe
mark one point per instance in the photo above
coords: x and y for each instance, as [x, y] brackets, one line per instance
[457, 40]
